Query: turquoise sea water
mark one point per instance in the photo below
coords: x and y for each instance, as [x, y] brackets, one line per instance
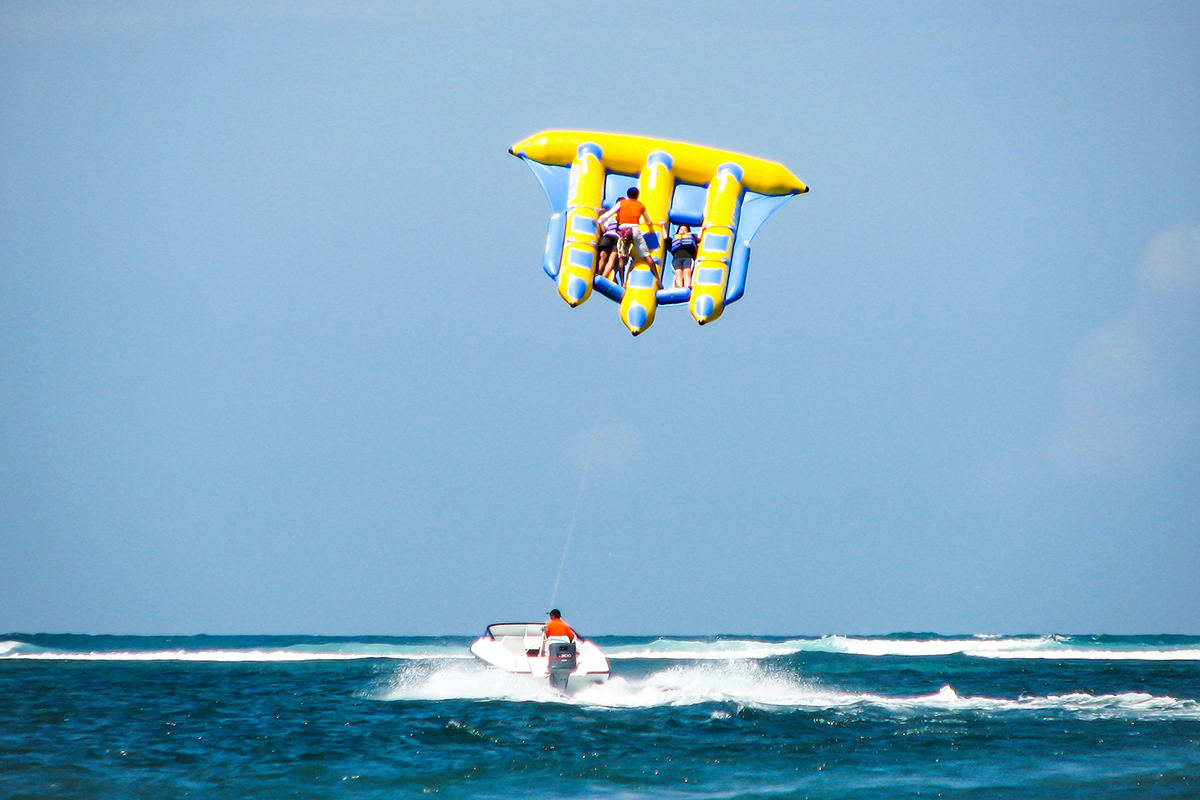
[909, 715]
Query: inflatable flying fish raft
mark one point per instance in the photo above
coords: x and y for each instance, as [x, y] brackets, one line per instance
[522, 649]
[722, 195]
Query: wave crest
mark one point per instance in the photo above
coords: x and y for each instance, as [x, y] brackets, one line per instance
[984, 646]
[338, 651]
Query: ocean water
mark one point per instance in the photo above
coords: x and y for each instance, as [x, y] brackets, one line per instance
[908, 715]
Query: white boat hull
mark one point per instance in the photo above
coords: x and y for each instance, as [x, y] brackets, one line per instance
[520, 648]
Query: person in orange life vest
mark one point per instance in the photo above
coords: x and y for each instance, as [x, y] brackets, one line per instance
[629, 211]
[556, 627]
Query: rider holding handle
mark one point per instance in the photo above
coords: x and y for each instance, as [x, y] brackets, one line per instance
[607, 249]
[629, 212]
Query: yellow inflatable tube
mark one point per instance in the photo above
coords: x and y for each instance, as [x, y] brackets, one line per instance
[585, 193]
[711, 274]
[640, 302]
[627, 154]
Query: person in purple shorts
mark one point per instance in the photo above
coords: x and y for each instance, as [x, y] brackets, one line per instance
[609, 263]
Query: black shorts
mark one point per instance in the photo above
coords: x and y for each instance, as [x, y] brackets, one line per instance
[687, 251]
[607, 242]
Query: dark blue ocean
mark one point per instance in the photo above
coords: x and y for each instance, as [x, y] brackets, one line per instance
[909, 715]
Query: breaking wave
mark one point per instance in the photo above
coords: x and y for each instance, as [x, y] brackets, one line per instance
[1044, 647]
[340, 651]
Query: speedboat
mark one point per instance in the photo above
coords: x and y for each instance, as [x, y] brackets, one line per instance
[522, 648]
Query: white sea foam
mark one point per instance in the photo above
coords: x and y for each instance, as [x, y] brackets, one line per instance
[934, 647]
[1100, 655]
[717, 650]
[749, 648]
[472, 680]
[352, 651]
[985, 646]
[742, 683]
[748, 684]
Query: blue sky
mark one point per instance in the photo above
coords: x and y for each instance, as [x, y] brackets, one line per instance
[278, 356]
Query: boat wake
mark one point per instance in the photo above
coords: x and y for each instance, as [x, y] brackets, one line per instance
[750, 684]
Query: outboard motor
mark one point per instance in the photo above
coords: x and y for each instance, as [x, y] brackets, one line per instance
[562, 663]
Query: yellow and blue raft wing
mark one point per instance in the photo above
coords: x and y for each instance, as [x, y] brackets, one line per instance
[724, 196]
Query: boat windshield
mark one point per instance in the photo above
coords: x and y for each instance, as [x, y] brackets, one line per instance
[502, 629]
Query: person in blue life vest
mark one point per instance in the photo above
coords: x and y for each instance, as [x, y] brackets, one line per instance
[683, 255]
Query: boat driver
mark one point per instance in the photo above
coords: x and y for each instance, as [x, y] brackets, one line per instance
[556, 627]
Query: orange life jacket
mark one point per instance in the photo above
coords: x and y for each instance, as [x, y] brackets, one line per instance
[556, 627]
